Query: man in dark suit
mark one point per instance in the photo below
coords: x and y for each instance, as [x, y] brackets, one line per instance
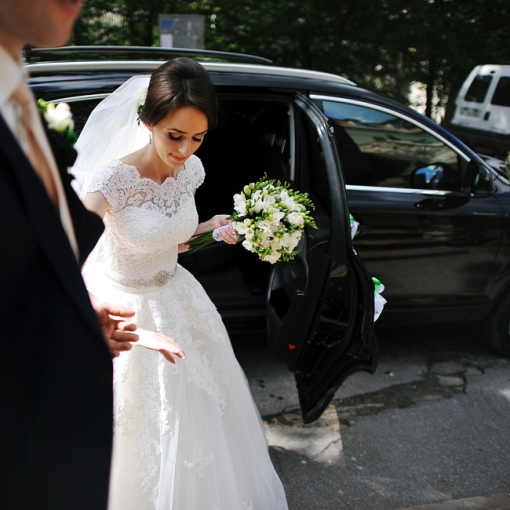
[56, 356]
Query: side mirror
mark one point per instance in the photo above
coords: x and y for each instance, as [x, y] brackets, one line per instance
[477, 179]
[472, 175]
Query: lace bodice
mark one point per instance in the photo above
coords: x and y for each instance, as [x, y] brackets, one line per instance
[147, 221]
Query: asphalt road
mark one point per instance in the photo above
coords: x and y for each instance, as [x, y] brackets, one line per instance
[430, 428]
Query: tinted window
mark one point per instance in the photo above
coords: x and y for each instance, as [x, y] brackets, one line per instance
[501, 95]
[380, 149]
[478, 89]
[312, 176]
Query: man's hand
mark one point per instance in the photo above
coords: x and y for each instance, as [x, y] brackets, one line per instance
[117, 331]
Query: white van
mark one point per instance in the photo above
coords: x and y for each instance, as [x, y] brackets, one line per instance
[482, 110]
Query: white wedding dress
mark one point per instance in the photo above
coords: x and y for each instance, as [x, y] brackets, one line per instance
[187, 436]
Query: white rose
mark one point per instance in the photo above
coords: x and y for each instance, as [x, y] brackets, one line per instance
[287, 201]
[239, 226]
[272, 258]
[258, 206]
[296, 235]
[142, 96]
[292, 244]
[276, 244]
[295, 218]
[240, 208]
[286, 241]
[266, 240]
[250, 246]
[265, 226]
[59, 117]
[267, 202]
[240, 203]
[277, 216]
[264, 204]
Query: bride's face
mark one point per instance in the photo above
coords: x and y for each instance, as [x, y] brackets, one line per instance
[179, 135]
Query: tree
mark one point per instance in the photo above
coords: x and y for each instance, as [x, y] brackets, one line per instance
[385, 45]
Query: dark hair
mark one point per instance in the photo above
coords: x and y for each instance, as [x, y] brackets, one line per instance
[178, 83]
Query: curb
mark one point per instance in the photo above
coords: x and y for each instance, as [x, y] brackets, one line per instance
[495, 502]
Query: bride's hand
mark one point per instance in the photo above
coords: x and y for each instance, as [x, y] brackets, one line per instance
[164, 344]
[217, 221]
[225, 229]
[223, 225]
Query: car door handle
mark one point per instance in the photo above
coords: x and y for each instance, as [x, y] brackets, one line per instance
[449, 201]
[430, 203]
[487, 115]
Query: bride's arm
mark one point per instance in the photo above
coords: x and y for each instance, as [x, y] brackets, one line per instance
[217, 221]
[118, 330]
[97, 203]
[227, 234]
[153, 340]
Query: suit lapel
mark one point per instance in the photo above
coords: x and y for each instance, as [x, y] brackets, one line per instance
[48, 229]
[88, 226]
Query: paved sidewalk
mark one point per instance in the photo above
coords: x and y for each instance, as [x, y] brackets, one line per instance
[427, 432]
[495, 502]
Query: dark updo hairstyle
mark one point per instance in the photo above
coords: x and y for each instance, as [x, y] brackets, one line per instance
[178, 83]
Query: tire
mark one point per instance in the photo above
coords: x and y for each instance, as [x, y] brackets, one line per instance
[499, 327]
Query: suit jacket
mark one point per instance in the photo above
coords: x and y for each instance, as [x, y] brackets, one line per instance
[55, 368]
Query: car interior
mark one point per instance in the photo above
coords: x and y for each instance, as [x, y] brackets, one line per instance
[252, 139]
[255, 137]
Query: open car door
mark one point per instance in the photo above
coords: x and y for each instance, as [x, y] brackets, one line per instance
[320, 306]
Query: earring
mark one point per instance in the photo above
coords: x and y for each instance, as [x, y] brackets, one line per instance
[150, 138]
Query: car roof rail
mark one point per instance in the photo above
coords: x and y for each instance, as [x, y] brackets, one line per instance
[72, 53]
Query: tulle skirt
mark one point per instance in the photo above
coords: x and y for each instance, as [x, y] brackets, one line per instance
[187, 436]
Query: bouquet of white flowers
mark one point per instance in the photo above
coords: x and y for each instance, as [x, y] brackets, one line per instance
[270, 219]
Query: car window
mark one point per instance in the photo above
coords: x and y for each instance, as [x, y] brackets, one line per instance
[312, 173]
[477, 91]
[501, 95]
[377, 148]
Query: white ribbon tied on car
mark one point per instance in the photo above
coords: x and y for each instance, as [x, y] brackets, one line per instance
[379, 301]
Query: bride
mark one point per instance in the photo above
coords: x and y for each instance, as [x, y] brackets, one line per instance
[187, 434]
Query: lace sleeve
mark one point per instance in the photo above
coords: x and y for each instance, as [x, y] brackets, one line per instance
[198, 171]
[109, 182]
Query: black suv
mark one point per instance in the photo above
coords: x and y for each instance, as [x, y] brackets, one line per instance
[434, 217]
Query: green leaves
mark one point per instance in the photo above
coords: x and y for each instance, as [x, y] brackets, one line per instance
[385, 45]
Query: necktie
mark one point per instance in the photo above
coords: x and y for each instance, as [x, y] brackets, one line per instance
[31, 130]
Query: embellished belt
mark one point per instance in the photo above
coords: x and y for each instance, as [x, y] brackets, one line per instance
[160, 279]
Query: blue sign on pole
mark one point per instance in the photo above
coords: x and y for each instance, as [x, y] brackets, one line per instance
[181, 30]
[167, 23]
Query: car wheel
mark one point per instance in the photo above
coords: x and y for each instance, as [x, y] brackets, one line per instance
[499, 327]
